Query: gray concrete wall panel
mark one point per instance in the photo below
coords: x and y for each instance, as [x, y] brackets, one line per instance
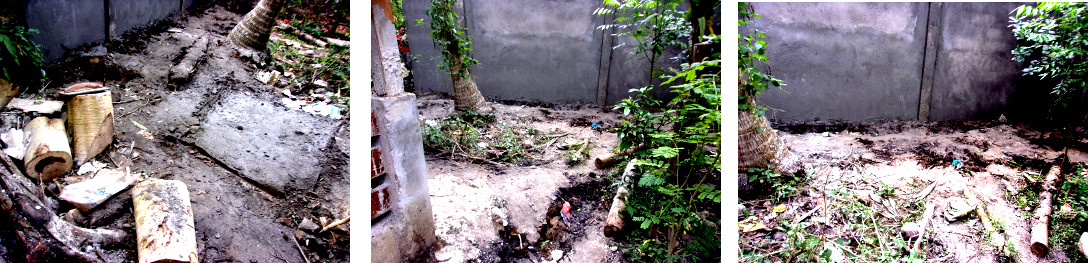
[975, 75]
[129, 14]
[65, 24]
[843, 61]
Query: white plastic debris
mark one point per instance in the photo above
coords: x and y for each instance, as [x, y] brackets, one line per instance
[321, 82]
[14, 139]
[91, 192]
[323, 109]
[556, 255]
[292, 104]
[268, 77]
[90, 167]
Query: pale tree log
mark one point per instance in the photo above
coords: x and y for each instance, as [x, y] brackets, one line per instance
[165, 230]
[47, 153]
[90, 122]
[1039, 220]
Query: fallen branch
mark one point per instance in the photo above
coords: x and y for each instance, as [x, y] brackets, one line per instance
[614, 221]
[45, 236]
[610, 160]
[304, 257]
[995, 238]
[1039, 244]
[334, 224]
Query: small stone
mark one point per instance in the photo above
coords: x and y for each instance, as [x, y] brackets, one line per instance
[827, 134]
[308, 225]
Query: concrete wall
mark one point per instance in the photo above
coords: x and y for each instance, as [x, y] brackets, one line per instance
[975, 76]
[539, 50]
[843, 61]
[67, 24]
[868, 61]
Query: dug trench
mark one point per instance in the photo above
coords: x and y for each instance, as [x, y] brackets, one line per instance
[588, 202]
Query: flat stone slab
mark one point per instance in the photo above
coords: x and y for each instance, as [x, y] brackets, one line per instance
[274, 147]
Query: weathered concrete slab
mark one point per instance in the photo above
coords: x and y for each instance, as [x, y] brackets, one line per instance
[272, 146]
[65, 24]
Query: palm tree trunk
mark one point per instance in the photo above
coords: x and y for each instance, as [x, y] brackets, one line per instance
[465, 94]
[760, 146]
[255, 27]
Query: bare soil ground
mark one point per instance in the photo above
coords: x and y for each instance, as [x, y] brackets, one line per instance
[506, 213]
[866, 180]
[260, 176]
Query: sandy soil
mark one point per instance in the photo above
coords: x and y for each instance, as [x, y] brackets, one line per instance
[849, 163]
[489, 213]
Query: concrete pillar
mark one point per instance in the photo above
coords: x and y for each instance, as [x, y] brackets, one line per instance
[385, 61]
[407, 230]
[402, 225]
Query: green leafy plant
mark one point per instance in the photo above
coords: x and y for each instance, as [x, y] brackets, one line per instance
[1051, 43]
[20, 58]
[451, 38]
[655, 25]
[783, 186]
[676, 152]
[753, 81]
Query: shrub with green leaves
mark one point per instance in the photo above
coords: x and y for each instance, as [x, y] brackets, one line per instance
[20, 58]
[677, 158]
[654, 24]
[1052, 45]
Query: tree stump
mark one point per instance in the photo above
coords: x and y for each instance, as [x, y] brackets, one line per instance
[164, 222]
[47, 155]
[90, 121]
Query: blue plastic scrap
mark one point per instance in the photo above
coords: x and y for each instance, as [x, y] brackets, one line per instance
[956, 163]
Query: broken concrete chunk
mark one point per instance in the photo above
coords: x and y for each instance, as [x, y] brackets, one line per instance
[89, 193]
[308, 225]
[39, 106]
[164, 222]
[90, 167]
[13, 138]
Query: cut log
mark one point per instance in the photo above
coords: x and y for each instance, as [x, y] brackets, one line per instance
[614, 223]
[164, 222]
[184, 69]
[90, 121]
[1039, 244]
[47, 155]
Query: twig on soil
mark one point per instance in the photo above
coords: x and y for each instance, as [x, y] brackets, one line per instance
[478, 159]
[300, 248]
[334, 224]
[126, 101]
[806, 215]
[149, 102]
[925, 192]
[925, 224]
